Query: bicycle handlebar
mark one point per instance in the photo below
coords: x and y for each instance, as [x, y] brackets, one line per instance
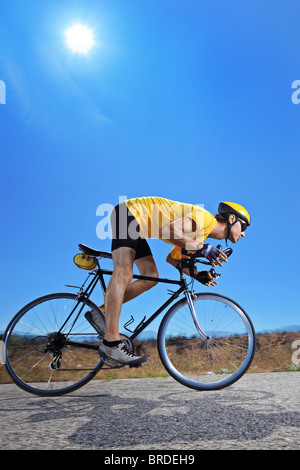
[228, 251]
[194, 258]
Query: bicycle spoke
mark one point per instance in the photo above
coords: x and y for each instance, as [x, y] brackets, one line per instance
[49, 381]
[37, 341]
[34, 365]
[206, 363]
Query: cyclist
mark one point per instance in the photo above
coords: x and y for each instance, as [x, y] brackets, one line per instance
[186, 226]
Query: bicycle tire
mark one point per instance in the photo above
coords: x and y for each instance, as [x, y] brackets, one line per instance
[28, 332]
[188, 358]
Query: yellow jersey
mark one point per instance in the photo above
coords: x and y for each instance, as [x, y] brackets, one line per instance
[153, 213]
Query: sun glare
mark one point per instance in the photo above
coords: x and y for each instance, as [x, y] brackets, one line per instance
[79, 38]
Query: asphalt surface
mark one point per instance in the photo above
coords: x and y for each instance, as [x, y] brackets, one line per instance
[261, 411]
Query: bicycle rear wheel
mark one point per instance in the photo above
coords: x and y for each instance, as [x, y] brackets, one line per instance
[206, 363]
[50, 347]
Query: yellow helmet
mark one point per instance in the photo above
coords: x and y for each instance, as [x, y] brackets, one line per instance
[236, 209]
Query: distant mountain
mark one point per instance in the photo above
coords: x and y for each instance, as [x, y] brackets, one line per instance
[145, 335]
[282, 329]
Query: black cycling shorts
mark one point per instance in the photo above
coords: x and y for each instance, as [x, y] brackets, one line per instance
[125, 232]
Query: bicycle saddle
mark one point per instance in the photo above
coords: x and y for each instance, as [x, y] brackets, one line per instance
[91, 252]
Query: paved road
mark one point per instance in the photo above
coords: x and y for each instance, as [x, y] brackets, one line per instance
[261, 411]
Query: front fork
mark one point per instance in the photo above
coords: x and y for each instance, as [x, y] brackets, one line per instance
[190, 297]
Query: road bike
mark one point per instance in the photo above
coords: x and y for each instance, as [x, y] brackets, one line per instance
[205, 341]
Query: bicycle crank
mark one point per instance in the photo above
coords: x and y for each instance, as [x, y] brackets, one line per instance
[111, 363]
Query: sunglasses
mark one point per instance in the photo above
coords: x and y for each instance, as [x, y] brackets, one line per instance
[243, 224]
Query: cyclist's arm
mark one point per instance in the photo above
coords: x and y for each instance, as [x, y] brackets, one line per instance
[174, 262]
[180, 232]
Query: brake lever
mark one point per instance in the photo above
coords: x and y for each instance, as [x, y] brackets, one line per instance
[214, 274]
[228, 251]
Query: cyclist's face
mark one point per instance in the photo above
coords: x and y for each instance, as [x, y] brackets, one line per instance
[236, 232]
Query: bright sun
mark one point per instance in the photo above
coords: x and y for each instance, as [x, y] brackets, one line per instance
[79, 38]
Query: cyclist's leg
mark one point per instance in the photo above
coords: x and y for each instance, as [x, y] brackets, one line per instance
[113, 348]
[123, 249]
[127, 247]
[123, 259]
[146, 266]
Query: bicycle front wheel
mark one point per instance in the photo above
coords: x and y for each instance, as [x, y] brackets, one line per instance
[213, 361]
[50, 347]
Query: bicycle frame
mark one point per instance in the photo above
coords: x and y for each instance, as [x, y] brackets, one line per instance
[98, 274]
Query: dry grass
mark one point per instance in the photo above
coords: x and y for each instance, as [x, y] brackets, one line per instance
[273, 353]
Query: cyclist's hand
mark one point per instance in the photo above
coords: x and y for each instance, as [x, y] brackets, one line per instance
[213, 254]
[205, 278]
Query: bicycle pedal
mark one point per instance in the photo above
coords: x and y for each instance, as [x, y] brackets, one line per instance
[111, 363]
[113, 366]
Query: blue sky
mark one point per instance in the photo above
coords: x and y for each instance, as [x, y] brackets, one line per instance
[182, 99]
